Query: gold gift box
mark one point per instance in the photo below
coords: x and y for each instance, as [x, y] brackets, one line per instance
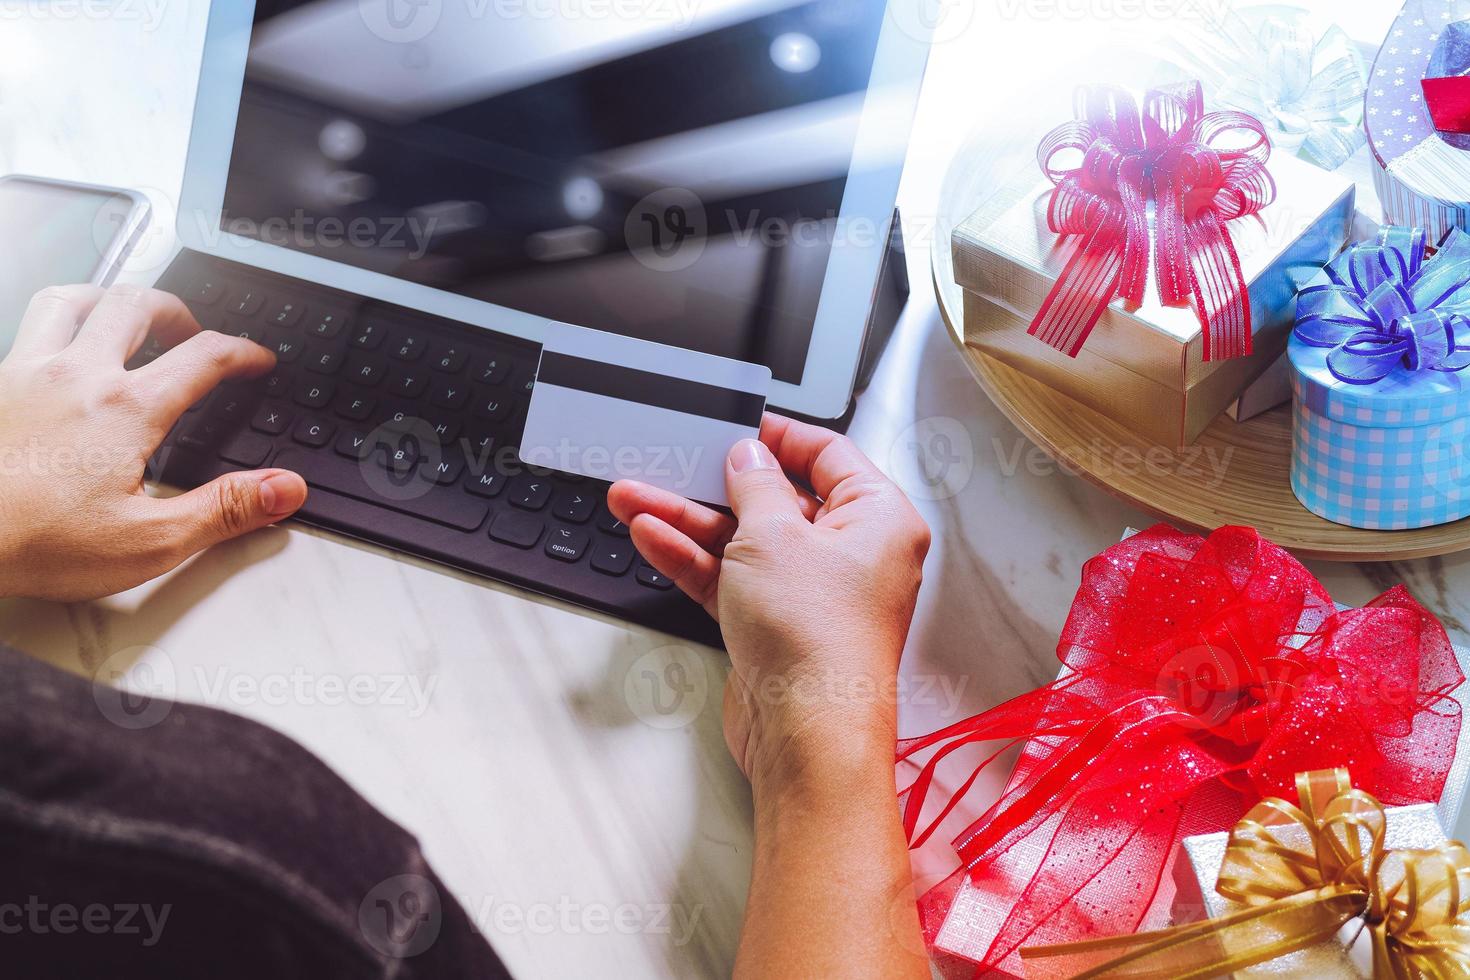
[1144, 367]
[1349, 956]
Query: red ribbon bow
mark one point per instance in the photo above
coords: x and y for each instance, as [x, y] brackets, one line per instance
[1448, 100]
[1174, 155]
[1203, 675]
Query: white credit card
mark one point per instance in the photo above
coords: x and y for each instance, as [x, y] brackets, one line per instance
[615, 408]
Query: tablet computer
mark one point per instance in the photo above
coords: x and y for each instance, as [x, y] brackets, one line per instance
[715, 174]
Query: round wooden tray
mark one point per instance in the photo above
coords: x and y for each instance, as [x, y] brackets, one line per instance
[1181, 487]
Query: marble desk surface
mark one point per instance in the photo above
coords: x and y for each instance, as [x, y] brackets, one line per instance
[565, 772]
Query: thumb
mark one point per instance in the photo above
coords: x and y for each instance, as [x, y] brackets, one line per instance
[235, 504]
[756, 484]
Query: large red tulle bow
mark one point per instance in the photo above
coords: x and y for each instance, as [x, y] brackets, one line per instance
[1175, 155]
[1202, 675]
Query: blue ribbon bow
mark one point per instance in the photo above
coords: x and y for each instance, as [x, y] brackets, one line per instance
[1386, 305]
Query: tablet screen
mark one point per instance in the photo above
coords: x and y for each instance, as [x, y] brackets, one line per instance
[667, 169]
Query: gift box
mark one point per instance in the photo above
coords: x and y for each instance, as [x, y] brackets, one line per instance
[1144, 366]
[1414, 114]
[1347, 956]
[1325, 882]
[1179, 706]
[1381, 414]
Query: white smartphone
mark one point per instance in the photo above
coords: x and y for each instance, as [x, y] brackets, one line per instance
[54, 232]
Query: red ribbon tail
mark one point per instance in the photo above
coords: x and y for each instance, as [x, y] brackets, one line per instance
[1171, 255]
[1222, 301]
[1082, 292]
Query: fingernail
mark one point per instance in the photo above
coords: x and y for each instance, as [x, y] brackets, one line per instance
[281, 494]
[751, 454]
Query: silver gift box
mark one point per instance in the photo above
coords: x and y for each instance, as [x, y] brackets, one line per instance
[1144, 367]
[1350, 955]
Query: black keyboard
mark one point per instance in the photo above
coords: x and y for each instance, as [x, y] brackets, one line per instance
[405, 426]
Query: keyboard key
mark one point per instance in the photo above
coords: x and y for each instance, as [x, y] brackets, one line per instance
[449, 358]
[355, 406]
[566, 544]
[479, 444]
[607, 522]
[496, 408]
[447, 431]
[445, 470]
[285, 314]
[275, 384]
[366, 369]
[203, 433]
[652, 577]
[243, 328]
[369, 336]
[271, 421]
[287, 348]
[231, 403]
[354, 445]
[487, 483]
[530, 492]
[314, 394]
[400, 457]
[206, 292]
[408, 383]
[312, 433]
[494, 371]
[245, 302]
[452, 394]
[612, 557]
[326, 325]
[422, 500]
[246, 449]
[574, 507]
[324, 361]
[520, 530]
[408, 347]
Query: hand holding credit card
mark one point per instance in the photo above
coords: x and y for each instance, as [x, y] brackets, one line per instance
[616, 408]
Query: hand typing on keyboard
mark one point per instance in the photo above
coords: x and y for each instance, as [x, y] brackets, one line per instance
[814, 593]
[77, 431]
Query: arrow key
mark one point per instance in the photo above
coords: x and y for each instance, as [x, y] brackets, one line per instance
[612, 557]
[530, 492]
[652, 577]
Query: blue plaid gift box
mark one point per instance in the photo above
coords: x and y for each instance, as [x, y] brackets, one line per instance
[1381, 413]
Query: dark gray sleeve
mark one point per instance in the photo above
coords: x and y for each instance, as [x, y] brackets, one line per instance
[177, 841]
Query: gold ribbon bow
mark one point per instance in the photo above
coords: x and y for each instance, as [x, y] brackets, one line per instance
[1302, 873]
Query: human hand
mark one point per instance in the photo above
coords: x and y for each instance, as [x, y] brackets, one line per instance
[76, 432]
[814, 593]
